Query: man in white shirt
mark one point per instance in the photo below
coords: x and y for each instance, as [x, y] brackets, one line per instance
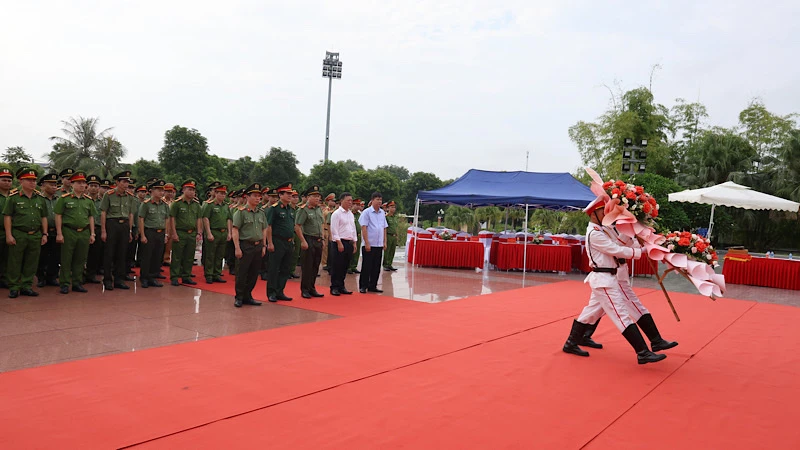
[343, 238]
[373, 243]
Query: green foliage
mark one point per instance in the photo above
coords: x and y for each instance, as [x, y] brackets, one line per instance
[184, 152]
[400, 172]
[671, 215]
[16, 157]
[420, 181]
[85, 148]
[331, 177]
[364, 183]
[765, 131]
[144, 169]
[352, 166]
[277, 167]
[456, 217]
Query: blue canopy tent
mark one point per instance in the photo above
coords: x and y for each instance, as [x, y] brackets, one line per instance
[558, 191]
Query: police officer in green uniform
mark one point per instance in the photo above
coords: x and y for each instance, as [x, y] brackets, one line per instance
[94, 261]
[268, 198]
[207, 199]
[356, 210]
[139, 194]
[391, 236]
[230, 250]
[153, 215]
[6, 179]
[217, 224]
[66, 185]
[280, 243]
[308, 228]
[293, 263]
[74, 232]
[186, 224]
[26, 231]
[248, 234]
[116, 230]
[50, 254]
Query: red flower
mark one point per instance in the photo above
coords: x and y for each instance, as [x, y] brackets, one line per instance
[631, 195]
[654, 213]
[607, 185]
[639, 190]
[684, 242]
[615, 191]
[652, 201]
[701, 246]
[621, 183]
[646, 208]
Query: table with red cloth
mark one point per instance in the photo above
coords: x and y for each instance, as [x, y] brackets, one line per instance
[439, 253]
[545, 258]
[638, 267]
[765, 272]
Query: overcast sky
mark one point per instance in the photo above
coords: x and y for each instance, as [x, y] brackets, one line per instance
[440, 86]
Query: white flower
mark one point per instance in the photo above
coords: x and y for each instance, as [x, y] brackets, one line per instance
[614, 196]
[694, 236]
[708, 257]
[630, 187]
[671, 247]
[715, 264]
[658, 206]
[694, 249]
[624, 200]
[633, 207]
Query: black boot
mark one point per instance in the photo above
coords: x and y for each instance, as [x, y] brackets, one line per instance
[575, 336]
[643, 354]
[647, 325]
[587, 337]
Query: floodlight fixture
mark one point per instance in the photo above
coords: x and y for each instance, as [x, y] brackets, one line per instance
[628, 141]
[331, 68]
[644, 143]
[626, 154]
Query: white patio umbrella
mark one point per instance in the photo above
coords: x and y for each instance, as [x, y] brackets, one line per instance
[735, 195]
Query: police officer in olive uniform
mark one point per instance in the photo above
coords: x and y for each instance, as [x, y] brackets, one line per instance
[26, 231]
[94, 261]
[153, 217]
[280, 243]
[50, 255]
[308, 227]
[356, 210]
[186, 224]
[268, 198]
[66, 185]
[328, 208]
[217, 225]
[6, 179]
[140, 193]
[230, 250]
[249, 233]
[74, 232]
[391, 236]
[116, 230]
[295, 204]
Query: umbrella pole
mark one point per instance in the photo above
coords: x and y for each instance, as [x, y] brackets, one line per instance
[711, 223]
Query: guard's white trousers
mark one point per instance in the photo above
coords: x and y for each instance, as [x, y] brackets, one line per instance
[619, 303]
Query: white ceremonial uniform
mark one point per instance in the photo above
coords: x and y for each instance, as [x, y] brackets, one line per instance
[609, 295]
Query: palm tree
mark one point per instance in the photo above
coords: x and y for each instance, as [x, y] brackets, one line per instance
[456, 217]
[107, 154]
[78, 148]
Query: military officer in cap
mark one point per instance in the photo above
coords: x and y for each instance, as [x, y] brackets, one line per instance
[280, 243]
[186, 224]
[207, 198]
[116, 230]
[169, 197]
[234, 198]
[153, 218]
[358, 204]
[308, 228]
[249, 233]
[268, 198]
[391, 236]
[295, 204]
[328, 208]
[6, 179]
[217, 225]
[140, 193]
[94, 261]
[50, 255]
[66, 185]
[75, 214]
[26, 231]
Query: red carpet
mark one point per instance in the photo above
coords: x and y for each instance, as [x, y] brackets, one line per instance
[484, 372]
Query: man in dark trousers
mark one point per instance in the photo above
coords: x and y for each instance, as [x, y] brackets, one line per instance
[343, 239]
[153, 216]
[308, 227]
[50, 256]
[116, 230]
[249, 232]
[373, 243]
[280, 243]
[94, 261]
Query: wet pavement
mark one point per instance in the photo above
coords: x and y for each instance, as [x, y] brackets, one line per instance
[54, 328]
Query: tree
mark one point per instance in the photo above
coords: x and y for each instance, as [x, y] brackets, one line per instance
[331, 177]
[400, 172]
[144, 169]
[457, 218]
[16, 157]
[420, 181]
[107, 154]
[719, 153]
[185, 151]
[491, 215]
[84, 147]
[277, 167]
[687, 126]
[352, 166]
[239, 172]
[366, 182]
[765, 131]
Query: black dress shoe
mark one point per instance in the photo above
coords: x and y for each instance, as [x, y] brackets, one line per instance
[346, 292]
[335, 292]
[350, 271]
[13, 294]
[175, 282]
[393, 269]
[29, 293]
[108, 286]
[209, 280]
[305, 294]
[379, 291]
[314, 293]
[251, 302]
[40, 283]
[386, 269]
[129, 278]
[325, 268]
[64, 289]
[53, 282]
[121, 285]
[93, 280]
[79, 288]
[362, 290]
[220, 280]
[155, 283]
[237, 303]
[356, 271]
[161, 277]
[264, 277]
[189, 281]
[272, 299]
[145, 284]
[283, 298]
[192, 275]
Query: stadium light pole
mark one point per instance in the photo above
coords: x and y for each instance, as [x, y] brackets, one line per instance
[331, 68]
[634, 157]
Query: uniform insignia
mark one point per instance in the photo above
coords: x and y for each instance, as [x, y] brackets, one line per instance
[274, 204]
[65, 195]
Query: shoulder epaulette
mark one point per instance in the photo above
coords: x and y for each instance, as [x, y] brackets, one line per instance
[146, 200]
[13, 191]
[35, 192]
[65, 195]
[209, 201]
[274, 204]
[241, 208]
[302, 206]
[88, 196]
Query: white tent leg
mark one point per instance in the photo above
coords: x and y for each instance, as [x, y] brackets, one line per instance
[416, 225]
[711, 222]
[525, 248]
